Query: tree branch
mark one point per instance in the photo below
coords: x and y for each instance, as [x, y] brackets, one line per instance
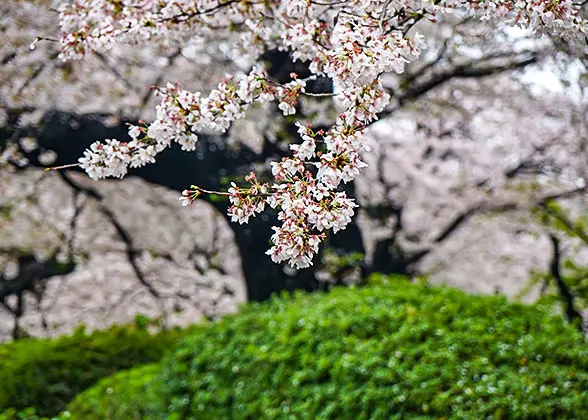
[485, 207]
[571, 313]
[471, 70]
[477, 69]
[122, 233]
[31, 271]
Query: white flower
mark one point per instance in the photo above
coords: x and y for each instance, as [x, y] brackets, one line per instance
[286, 108]
[28, 144]
[134, 132]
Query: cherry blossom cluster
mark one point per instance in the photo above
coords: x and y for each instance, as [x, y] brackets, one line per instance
[181, 114]
[559, 17]
[245, 203]
[306, 27]
[351, 42]
[306, 210]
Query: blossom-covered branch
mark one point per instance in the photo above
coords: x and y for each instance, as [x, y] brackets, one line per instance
[352, 42]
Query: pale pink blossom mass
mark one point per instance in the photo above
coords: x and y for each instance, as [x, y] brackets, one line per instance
[352, 42]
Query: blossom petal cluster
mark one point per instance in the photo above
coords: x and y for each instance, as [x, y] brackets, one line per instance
[306, 211]
[351, 42]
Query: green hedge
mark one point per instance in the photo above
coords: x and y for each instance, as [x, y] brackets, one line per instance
[126, 395]
[380, 352]
[30, 414]
[47, 374]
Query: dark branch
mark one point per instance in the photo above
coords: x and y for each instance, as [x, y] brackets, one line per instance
[571, 313]
[471, 70]
[30, 272]
[485, 207]
[413, 89]
[122, 233]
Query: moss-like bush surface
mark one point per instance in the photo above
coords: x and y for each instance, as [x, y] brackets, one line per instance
[380, 352]
[126, 395]
[47, 374]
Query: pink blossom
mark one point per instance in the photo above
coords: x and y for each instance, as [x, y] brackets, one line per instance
[352, 42]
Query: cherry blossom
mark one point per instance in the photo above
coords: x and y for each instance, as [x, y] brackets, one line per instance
[352, 42]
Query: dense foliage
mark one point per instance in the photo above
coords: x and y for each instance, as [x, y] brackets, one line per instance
[126, 395]
[393, 350]
[30, 414]
[47, 374]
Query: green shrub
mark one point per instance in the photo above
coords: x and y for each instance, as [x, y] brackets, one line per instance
[26, 414]
[126, 395]
[47, 374]
[29, 414]
[380, 352]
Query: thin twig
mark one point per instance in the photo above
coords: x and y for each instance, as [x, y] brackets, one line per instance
[69, 165]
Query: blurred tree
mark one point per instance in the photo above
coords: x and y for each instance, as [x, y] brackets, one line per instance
[471, 130]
